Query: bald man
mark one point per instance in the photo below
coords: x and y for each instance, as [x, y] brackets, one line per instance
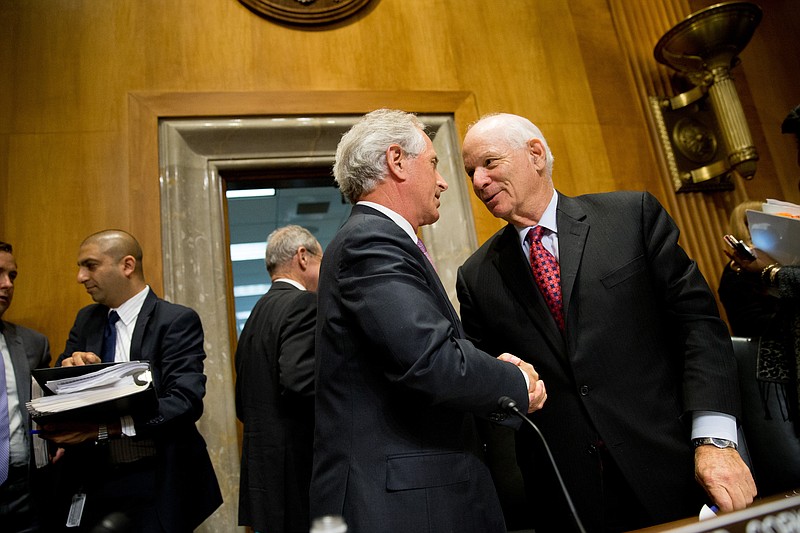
[146, 473]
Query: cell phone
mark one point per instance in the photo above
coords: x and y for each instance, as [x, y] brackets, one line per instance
[740, 248]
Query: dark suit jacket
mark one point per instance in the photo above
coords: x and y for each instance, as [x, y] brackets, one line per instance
[643, 347]
[28, 350]
[275, 401]
[397, 385]
[170, 336]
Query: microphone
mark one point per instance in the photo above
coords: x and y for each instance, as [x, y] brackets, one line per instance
[508, 404]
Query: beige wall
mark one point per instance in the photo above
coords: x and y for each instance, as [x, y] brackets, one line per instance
[75, 71]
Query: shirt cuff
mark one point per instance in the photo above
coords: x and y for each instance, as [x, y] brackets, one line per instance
[714, 424]
[128, 429]
[527, 379]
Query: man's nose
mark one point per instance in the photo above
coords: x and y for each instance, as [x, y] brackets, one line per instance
[441, 182]
[480, 178]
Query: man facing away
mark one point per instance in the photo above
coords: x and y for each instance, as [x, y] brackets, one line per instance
[275, 387]
[643, 391]
[145, 473]
[397, 384]
[21, 351]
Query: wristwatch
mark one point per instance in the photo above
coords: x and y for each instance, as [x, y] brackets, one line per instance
[719, 443]
[102, 434]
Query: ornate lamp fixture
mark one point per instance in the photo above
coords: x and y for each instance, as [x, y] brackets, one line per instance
[704, 48]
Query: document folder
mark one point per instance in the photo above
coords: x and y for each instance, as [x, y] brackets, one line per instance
[92, 392]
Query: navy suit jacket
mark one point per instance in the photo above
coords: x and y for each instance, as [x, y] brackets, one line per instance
[643, 347]
[275, 402]
[397, 386]
[170, 336]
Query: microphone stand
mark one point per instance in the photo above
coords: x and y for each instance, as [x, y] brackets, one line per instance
[510, 405]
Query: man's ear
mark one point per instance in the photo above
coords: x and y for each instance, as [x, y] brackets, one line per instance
[128, 265]
[537, 150]
[395, 159]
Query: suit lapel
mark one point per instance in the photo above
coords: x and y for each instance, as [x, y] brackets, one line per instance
[95, 326]
[572, 233]
[19, 359]
[433, 276]
[515, 271]
[145, 313]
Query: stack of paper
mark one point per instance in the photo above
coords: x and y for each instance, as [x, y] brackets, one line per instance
[103, 388]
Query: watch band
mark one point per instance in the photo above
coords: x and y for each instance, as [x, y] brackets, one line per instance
[102, 434]
[713, 441]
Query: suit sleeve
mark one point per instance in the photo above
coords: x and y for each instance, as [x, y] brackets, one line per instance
[709, 369]
[76, 342]
[391, 294]
[179, 369]
[296, 357]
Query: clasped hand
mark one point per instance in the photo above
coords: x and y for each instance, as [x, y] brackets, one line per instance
[537, 394]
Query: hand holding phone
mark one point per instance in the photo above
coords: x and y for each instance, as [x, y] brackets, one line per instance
[740, 248]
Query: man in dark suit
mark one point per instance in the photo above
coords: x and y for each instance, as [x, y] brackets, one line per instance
[275, 387]
[636, 360]
[397, 384]
[146, 472]
[21, 350]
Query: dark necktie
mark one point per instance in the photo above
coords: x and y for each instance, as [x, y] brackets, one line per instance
[421, 246]
[5, 431]
[110, 338]
[547, 274]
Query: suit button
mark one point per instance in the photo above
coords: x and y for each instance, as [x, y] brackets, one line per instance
[592, 449]
[584, 390]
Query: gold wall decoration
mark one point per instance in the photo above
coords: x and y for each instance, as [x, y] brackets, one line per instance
[703, 131]
[306, 12]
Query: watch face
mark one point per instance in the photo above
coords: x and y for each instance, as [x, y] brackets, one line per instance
[306, 12]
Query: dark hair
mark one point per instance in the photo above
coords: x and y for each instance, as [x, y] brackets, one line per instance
[5, 247]
[791, 124]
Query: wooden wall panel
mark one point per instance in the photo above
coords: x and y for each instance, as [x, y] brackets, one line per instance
[580, 69]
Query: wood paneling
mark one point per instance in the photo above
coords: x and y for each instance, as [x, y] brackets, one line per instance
[84, 79]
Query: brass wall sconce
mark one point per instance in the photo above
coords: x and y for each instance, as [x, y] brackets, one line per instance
[703, 131]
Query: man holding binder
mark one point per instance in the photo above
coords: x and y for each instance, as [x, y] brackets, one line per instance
[21, 350]
[146, 472]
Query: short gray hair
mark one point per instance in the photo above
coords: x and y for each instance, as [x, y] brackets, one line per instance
[283, 243]
[517, 131]
[361, 155]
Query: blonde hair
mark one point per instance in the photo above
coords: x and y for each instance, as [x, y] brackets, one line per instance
[738, 220]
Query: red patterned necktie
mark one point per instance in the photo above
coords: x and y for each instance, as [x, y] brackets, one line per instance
[547, 274]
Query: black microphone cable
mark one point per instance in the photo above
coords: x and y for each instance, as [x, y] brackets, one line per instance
[507, 404]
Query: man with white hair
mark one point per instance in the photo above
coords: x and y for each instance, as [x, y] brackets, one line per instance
[596, 293]
[397, 383]
[275, 387]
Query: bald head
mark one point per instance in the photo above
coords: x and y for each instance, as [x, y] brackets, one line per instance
[512, 129]
[110, 267]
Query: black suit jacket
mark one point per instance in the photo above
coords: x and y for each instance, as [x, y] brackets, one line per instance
[275, 401]
[397, 385]
[170, 336]
[643, 347]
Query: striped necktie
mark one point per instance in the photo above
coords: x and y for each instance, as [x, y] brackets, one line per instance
[5, 430]
[421, 246]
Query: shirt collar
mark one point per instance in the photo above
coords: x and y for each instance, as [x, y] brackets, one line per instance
[398, 219]
[290, 282]
[548, 220]
[129, 310]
